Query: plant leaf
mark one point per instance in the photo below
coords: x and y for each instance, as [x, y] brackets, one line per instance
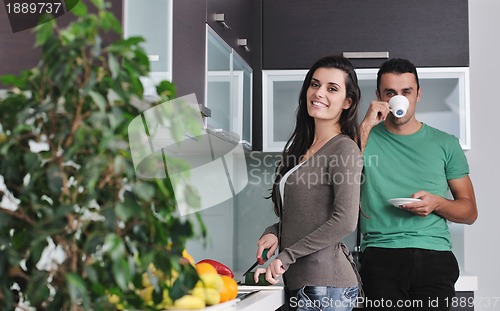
[166, 88]
[121, 272]
[70, 4]
[114, 246]
[77, 289]
[99, 100]
[109, 22]
[99, 4]
[37, 288]
[113, 66]
[78, 8]
[13, 80]
[44, 32]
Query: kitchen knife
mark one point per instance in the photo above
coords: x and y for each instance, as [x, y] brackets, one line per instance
[260, 261]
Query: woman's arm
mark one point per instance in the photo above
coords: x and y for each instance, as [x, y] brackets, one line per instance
[343, 219]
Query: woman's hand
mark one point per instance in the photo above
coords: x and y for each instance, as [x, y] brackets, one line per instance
[273, 272]
[275, 268]
[267, 241]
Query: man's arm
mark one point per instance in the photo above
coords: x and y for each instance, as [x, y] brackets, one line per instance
[364, 132]
[377, 112]
[461, 209]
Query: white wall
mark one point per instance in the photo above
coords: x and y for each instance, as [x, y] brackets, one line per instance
[482, 246]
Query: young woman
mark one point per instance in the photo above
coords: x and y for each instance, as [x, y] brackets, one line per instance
[316, 193]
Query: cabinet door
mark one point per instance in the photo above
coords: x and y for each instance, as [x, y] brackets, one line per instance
[243, 95]
[219, 63]
[243, 20]
[153, 22]
[429, 33]
[280, 89]
[229, 90]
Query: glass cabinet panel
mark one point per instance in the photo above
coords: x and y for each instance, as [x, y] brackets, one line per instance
[152, 20]
[281, 90]
[229, 90]
[242, 95]
[219, 63]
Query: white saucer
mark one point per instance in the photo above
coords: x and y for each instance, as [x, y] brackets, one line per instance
[397, 202]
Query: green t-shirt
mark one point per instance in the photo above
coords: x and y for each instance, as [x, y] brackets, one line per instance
[396, 166]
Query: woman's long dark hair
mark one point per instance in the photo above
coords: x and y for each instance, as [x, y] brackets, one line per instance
[303, 134]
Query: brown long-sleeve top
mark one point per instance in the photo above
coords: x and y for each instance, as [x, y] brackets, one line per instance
[320, 208]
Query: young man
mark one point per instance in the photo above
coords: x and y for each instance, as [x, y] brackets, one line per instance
[407, 261]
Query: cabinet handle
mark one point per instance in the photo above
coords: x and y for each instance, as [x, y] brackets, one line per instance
[154, 58]
[366, 54]
[205, 111]
[244, 44]
[220, 18]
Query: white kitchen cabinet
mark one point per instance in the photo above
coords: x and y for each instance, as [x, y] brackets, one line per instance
[153, 21]
[444, 103]
[280, 91]
[228, 91]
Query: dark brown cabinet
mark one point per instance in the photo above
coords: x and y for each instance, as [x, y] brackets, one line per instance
[241, 20]
[428, 32]
[188, 45]
[17, 51]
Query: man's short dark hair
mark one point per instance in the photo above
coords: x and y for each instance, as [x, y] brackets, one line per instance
[399, 66]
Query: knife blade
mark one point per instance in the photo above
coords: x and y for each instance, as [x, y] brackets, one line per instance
[242, 296]
[258, 262]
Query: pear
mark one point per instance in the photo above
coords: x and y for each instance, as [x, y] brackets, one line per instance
[211, 280]
[209, 295]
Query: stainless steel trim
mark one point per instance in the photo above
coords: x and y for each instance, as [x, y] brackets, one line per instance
[205, 111]
[366, 54]
[244, 44]
[221, 18]
[224, 135]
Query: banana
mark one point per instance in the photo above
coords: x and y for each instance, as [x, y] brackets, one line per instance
[187, 302]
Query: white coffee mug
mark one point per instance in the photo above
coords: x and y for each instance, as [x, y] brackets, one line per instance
[398, 105]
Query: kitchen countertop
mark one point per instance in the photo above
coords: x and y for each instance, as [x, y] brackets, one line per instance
[272, 297]
[466, 282]
[267, 299]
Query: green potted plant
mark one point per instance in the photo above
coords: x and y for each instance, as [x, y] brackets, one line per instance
[78, 230]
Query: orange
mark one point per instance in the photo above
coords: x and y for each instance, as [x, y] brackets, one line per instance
[229, 290]
[205, 268]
